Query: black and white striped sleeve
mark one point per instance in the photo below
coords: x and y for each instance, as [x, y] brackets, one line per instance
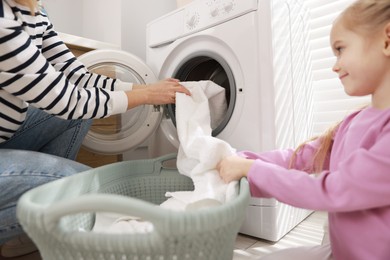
[58, 54]
[57, 83]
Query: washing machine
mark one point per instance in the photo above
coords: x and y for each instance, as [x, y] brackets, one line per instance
[258, 50]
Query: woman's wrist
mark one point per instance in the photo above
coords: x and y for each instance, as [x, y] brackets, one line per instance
[136, 97]
[138, 86]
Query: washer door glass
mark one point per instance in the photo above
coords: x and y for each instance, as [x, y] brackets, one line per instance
[119, 133]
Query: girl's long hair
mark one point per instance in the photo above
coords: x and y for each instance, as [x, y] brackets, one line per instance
[366, 16]
[321, 156]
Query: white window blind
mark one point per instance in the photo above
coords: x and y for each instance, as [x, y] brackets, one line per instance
[330, 103]
[292, 70]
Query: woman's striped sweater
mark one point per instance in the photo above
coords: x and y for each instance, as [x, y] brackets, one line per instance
[36, 68]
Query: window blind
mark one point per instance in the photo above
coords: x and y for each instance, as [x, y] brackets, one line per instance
[292, 70]
[330, 103]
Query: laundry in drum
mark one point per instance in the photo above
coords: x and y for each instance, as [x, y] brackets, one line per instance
[198, 155]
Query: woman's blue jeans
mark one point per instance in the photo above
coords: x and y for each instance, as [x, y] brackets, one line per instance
[41, 151]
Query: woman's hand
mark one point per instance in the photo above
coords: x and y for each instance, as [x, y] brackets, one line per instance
[159, 93]
[233, 168]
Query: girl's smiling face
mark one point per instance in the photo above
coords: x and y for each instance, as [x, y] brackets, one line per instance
[361, 63]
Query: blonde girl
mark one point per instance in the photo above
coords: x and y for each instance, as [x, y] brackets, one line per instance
[352, 159]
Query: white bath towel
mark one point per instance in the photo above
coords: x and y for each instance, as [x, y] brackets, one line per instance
[115, 223]
[198, 156]
[199, 151]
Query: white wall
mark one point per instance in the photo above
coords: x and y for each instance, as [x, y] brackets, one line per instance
[66, 15]
[102, 20]
[135, 15]
[120, 22]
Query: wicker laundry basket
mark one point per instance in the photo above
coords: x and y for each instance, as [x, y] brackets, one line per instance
[59, 216]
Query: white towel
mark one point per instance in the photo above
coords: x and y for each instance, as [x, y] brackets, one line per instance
[199, 151]
[198, 156]
[115, 223]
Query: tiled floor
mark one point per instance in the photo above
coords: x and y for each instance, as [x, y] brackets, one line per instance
[308, 232]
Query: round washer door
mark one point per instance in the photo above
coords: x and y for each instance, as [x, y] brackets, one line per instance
[119, 133]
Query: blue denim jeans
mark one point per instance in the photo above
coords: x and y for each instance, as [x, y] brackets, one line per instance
[42, 132]
[41, 151]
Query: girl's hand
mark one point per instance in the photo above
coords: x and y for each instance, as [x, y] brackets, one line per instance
[233, 168]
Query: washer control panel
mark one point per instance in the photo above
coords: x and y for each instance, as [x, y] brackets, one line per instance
[204, 14]
[220, 7]
[194, 17]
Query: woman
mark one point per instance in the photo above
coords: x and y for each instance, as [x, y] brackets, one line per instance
[47, 98]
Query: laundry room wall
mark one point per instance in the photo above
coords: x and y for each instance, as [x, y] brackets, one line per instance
[102, 20]
[95, 19]
[66, 15]
[120, 22]
[135, 15]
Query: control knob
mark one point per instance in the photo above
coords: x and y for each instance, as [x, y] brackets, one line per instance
[192, 21]
[214, 12]
[228, 7]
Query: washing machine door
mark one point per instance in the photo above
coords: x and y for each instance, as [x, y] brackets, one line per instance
[124, 132]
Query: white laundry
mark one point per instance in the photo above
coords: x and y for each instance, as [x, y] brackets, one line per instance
[198, 155]
[199, 151]
[115, 223]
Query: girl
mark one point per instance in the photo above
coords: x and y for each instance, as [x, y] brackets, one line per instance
[46, 100]
[352, 160]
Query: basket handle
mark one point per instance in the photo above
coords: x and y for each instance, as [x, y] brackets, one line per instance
[98, 202]
[159, 161]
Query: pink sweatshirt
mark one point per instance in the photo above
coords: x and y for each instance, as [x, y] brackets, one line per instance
[354, 189]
